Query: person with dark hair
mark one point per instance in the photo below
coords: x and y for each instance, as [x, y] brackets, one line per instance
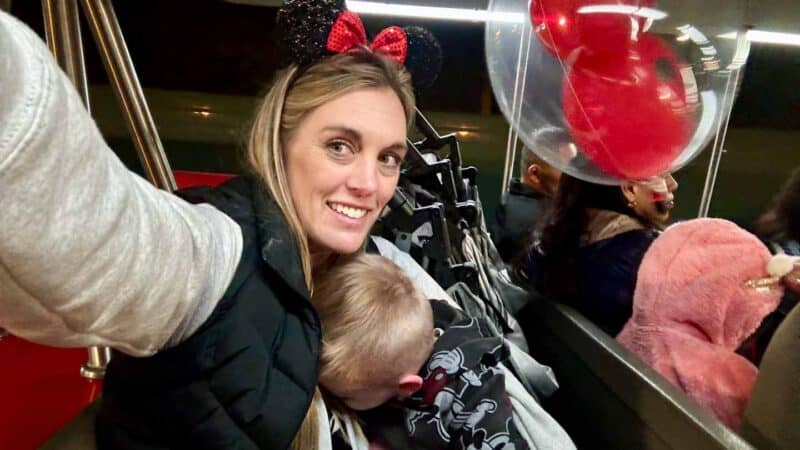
[781, 222]
[592, 242]
[779, 228]
[528, 196]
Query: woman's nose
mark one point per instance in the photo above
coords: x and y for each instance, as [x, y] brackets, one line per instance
[672, 184]
[364, 178]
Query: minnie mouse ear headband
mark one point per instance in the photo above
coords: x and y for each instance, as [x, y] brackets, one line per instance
[314, 29]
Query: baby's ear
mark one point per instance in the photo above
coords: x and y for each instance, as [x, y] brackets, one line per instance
[408, 385]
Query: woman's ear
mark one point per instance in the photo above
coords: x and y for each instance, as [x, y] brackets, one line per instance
[533, 171]
[408, 385]
[628, 192]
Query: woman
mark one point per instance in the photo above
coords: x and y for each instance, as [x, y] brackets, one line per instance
[593, 241]
[206, 304]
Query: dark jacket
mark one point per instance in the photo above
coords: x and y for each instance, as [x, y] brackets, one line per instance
[605, 277]
[244, 380]
[515, 218]
[463, 402]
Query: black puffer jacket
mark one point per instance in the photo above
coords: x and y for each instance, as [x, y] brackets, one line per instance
[516, 217]
[245, 379]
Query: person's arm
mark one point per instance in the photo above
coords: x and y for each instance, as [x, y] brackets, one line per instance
[90, 253]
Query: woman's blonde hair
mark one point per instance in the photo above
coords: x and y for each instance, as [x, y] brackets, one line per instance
[294, 93]
[375, 324]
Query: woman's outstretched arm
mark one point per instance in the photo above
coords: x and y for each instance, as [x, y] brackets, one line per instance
[90, 253]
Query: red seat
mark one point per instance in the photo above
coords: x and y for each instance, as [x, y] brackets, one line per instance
[41, 390]
[185, 178]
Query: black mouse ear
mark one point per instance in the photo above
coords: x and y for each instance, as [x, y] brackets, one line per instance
[304, 26]
[424, 60]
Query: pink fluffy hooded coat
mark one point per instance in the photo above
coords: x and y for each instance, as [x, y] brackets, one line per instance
[691, 311]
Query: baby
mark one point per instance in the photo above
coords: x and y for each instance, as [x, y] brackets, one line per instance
[382, 341]
[377, 332]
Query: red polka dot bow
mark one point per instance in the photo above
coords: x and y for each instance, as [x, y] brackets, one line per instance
[348, 34]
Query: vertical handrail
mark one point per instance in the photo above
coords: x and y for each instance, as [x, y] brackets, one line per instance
[95, 366]
[516, 108]
[62, 31]
[716, 152]
[118, 64]
[732, 84]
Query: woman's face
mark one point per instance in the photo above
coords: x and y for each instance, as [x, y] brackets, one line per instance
[342, 163]
[653, 205]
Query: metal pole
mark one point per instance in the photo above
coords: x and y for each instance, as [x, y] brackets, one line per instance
[95, 366]
[519, 80]
[62, 29]
[728, 98]
[119, 67]
[63, 32]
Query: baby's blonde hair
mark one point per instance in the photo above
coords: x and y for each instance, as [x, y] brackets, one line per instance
[375, 324]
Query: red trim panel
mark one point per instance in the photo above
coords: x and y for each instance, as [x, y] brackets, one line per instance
[41, 389]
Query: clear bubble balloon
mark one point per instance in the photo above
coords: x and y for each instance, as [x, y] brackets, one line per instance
[640, 86]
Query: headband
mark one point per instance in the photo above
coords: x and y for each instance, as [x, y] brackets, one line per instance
[314, 29]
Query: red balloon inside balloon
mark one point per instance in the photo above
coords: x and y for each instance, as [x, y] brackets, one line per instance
[608, 26]
[597, 25]
[554, 24]
[631, 116]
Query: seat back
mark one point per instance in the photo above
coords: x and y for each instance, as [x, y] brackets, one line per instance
[772, 417]
[78, 434]
[608, 397]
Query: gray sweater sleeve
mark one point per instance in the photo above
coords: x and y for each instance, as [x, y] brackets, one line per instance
[90, 253]
[424, 282]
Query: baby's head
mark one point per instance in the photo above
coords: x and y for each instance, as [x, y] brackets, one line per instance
[377, 331]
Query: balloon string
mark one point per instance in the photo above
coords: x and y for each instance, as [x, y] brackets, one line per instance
[516, 108]
[722, 126]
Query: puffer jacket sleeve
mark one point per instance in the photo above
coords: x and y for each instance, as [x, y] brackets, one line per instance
[90, 253]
